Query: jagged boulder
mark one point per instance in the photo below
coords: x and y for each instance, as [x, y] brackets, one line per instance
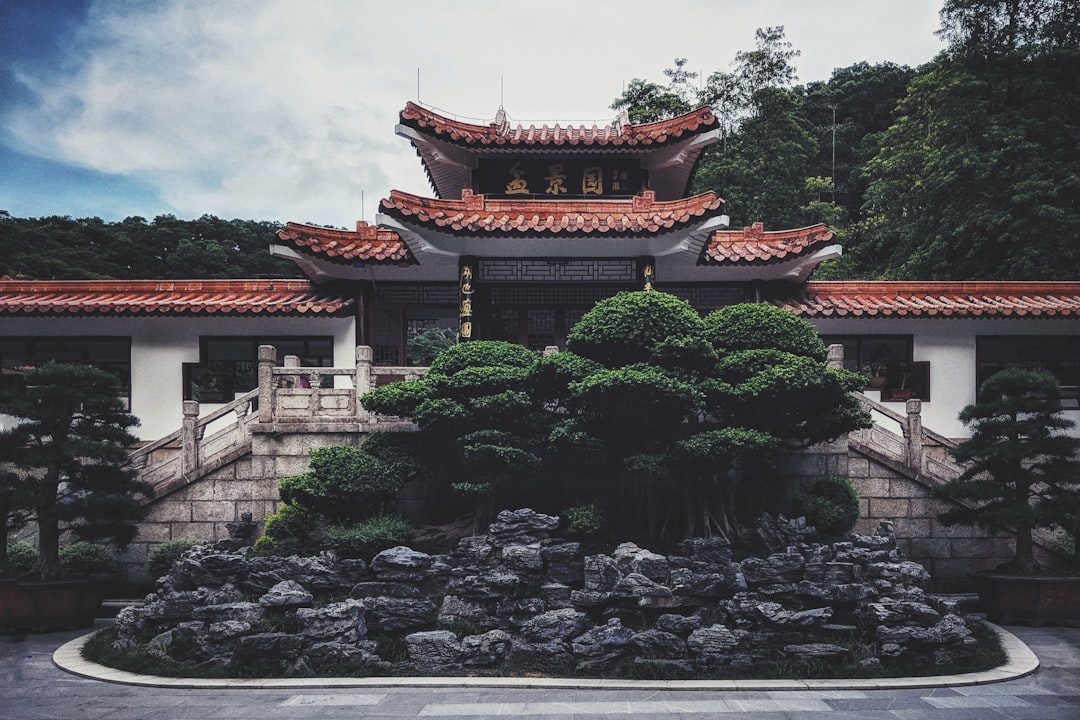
[434, 651]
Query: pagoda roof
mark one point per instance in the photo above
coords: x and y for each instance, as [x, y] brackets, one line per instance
[169, 297]
[367, 244]
[880, 299]
[754, 245]
[451, 148]
[476, 215]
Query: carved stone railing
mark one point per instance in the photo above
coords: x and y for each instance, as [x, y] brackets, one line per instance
[291, 396]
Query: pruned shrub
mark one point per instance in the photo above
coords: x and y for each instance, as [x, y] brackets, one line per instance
[87, 558]
[367, 538]
[21, 557]
[830, 504]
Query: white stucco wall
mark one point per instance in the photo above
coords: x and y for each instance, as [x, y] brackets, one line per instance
[160, 346]
[949, 346]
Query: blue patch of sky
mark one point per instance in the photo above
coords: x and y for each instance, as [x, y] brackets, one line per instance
[38, 36]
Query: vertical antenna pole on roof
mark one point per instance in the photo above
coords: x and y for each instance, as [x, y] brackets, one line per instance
[417, 84]
[502, 90]
[363, 216]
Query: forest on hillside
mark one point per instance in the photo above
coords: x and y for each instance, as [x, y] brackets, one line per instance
[967, 167]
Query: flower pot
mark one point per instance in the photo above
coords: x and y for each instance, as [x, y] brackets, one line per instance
[901, 394]
[1029, 599]
[43, 605]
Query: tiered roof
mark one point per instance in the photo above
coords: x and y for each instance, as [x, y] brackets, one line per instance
[20, 298]
[870, 299]
[476, 215]
[449, 148]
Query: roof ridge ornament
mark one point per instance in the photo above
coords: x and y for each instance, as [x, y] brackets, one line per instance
[622, 125]
[501, 126]
[754, 232]
[473, 201]
[644, 201]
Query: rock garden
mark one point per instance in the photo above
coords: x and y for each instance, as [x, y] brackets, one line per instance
[519, 600]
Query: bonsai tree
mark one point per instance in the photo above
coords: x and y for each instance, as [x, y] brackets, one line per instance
[68, 459]
[1022, 466]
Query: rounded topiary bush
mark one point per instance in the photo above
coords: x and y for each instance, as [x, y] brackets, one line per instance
[482, 353]
[756, 326]
[629, 327]
[830, 504]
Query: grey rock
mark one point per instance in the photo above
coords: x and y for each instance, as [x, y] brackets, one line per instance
[474, 551]
[489, 585]
[245, 612]
[687, 582]
[659, 645]
[485, 650]
[601, 573]
[390, 614]
[400, 563]
[524, 525]
[433, 651]
[784, 567]
[950, 630]
[321, 573]
[709, 551]
[775, 613]
[815, 650]
[555, 595]
[605, 642]
[548, 658]
[714, 640]
[340, 621]
[903, 573]
[678, 624]
[455, 609]
[554, 625]
[560, 551]
[515, 613]
[632, 559]
[173, 606]
[637, 586]
[325, 655]
[227, 629]
[385, 589]
[257, 649]
[286, 594]
[589, 598]
[522, 558]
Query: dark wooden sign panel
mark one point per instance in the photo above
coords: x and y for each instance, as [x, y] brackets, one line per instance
[559, 178]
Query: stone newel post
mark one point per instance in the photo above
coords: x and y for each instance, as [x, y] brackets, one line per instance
[267, 361]
[914, 432]
[189, 440]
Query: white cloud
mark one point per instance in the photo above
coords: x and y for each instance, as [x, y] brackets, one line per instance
[285, 110]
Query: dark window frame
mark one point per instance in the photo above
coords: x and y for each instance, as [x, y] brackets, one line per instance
[220, 380]
[888, 360]
[120, 369]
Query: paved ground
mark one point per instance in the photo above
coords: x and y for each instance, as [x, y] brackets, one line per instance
[32, 687]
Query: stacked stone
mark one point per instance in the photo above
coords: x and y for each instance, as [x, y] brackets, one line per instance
[518, 600]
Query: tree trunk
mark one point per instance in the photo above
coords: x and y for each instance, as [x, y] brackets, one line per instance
[48, 522]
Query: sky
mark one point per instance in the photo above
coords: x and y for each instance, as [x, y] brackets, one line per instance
[285, 109]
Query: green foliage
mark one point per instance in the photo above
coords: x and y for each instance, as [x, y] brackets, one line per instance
[344, 484]
[586, 519]
[424, 344]
[367, 538]
[63, 248]
[757, 326]
[1021, 468]
[87, 558]
[291, 530]
[70, 452]
[830, 504]
[21, 556]
[161, 558]
[630, 327]
[482, 354]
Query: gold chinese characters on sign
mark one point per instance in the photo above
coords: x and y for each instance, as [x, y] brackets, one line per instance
[465, 302]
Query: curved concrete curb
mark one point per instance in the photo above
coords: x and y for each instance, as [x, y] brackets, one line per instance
[1021, 662]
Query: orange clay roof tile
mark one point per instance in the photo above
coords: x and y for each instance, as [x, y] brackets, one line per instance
[368, 243]
[499, 133]
[752, 245]
[475, 214]
[169, 297]
[935, 299]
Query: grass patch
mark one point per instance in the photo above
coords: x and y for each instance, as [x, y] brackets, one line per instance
[99, 648]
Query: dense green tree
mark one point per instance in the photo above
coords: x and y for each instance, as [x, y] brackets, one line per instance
[63, 248]
[977, 177]
[70, 449]
[1021, 466]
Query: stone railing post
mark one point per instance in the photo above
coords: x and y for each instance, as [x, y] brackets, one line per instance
[362, 381]
[835, 360]
[267, 361]
[189, 438]
[914, 432]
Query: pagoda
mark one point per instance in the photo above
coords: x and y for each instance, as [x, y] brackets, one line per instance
[530, 226]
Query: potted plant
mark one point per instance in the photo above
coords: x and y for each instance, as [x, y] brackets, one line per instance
[67, 466]
[1021, 474]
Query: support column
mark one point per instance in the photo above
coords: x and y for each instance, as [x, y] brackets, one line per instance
[835, 360]
[466, 297]
[647, 272]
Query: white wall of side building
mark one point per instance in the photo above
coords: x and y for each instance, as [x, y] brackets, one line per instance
[949, 346]
[161, 345]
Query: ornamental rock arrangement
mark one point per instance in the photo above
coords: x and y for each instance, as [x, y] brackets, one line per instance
[518, 601]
